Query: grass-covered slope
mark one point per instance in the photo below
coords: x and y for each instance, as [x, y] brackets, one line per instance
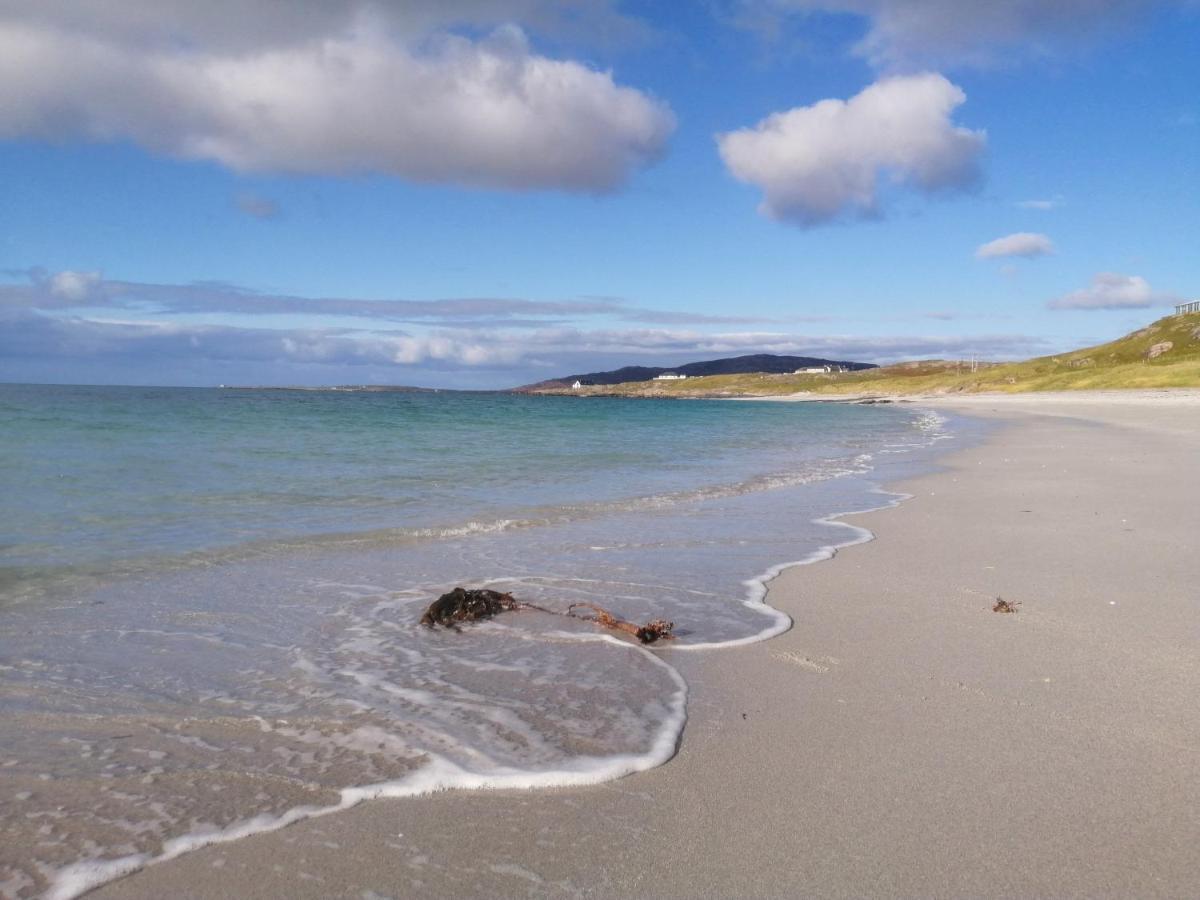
[1139, 360]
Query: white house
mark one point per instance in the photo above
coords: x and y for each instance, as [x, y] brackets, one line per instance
[577, 385]
[669, 376]
[814, 370]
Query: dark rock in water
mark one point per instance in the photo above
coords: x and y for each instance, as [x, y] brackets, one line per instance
[463, 605]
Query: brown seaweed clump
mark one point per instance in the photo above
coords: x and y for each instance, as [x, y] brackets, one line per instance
[1003, 606]
[463, 605]
[471, 605]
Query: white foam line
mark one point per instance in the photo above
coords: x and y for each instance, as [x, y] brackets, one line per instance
[439, 774]
[758, 587]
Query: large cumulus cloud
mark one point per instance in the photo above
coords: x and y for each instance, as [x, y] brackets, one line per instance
[814, 163]
[322, 87]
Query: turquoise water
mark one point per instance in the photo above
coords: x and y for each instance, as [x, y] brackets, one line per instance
[93, 475]
[203, 586]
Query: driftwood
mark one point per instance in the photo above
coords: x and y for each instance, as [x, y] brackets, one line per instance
[463, 605]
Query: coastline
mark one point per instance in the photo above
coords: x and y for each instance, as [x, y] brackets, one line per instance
[900, 739]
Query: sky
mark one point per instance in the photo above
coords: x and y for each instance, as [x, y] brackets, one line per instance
[487, 193]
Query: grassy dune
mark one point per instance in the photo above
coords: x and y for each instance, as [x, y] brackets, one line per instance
[1123, 363]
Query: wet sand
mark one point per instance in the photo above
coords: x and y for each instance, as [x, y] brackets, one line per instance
[902, 739]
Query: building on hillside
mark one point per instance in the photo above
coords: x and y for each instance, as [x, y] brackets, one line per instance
[669, 376]
[577, 385]
[1191, 307]
[819, 370]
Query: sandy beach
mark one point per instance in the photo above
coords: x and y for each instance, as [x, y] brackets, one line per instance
[902, 739]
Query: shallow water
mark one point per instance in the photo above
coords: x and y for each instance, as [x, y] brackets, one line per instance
[210, 599]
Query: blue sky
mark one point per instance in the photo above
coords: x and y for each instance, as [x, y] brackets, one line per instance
[490, 192]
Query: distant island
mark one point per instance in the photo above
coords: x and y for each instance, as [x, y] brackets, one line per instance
[1163, 354]
[766, 363]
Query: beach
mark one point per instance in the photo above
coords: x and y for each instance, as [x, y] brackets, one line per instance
[230, 640]
[902, 739]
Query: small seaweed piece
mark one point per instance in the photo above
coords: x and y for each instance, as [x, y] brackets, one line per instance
[463, 605]
[1003, 606]
[652, 631]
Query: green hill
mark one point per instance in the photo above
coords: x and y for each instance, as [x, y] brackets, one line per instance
[1164, 354]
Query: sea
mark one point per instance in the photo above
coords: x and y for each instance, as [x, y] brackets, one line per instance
[210, 599]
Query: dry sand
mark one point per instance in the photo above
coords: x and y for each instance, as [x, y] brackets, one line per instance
[902, 739]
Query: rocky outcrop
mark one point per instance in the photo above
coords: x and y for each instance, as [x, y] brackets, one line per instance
[1159, 349]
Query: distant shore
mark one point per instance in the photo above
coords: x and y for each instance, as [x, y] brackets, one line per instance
[902, 739]
[1028, 401]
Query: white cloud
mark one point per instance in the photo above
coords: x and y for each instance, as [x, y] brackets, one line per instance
[325, 94]
[1043, 204]
[1110, 290]
[1023, 243]
[73, 285]
[396, 349]
[816, 162]
[906, 33]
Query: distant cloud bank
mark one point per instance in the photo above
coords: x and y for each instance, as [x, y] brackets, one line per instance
[79, 326]
[815, 163]
[1024, 243]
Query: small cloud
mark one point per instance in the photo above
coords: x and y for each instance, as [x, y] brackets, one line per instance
[256, 205]
[71, 285]
[814, 163]
[1044, 205]
[1024, 243]
[1110, 290]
